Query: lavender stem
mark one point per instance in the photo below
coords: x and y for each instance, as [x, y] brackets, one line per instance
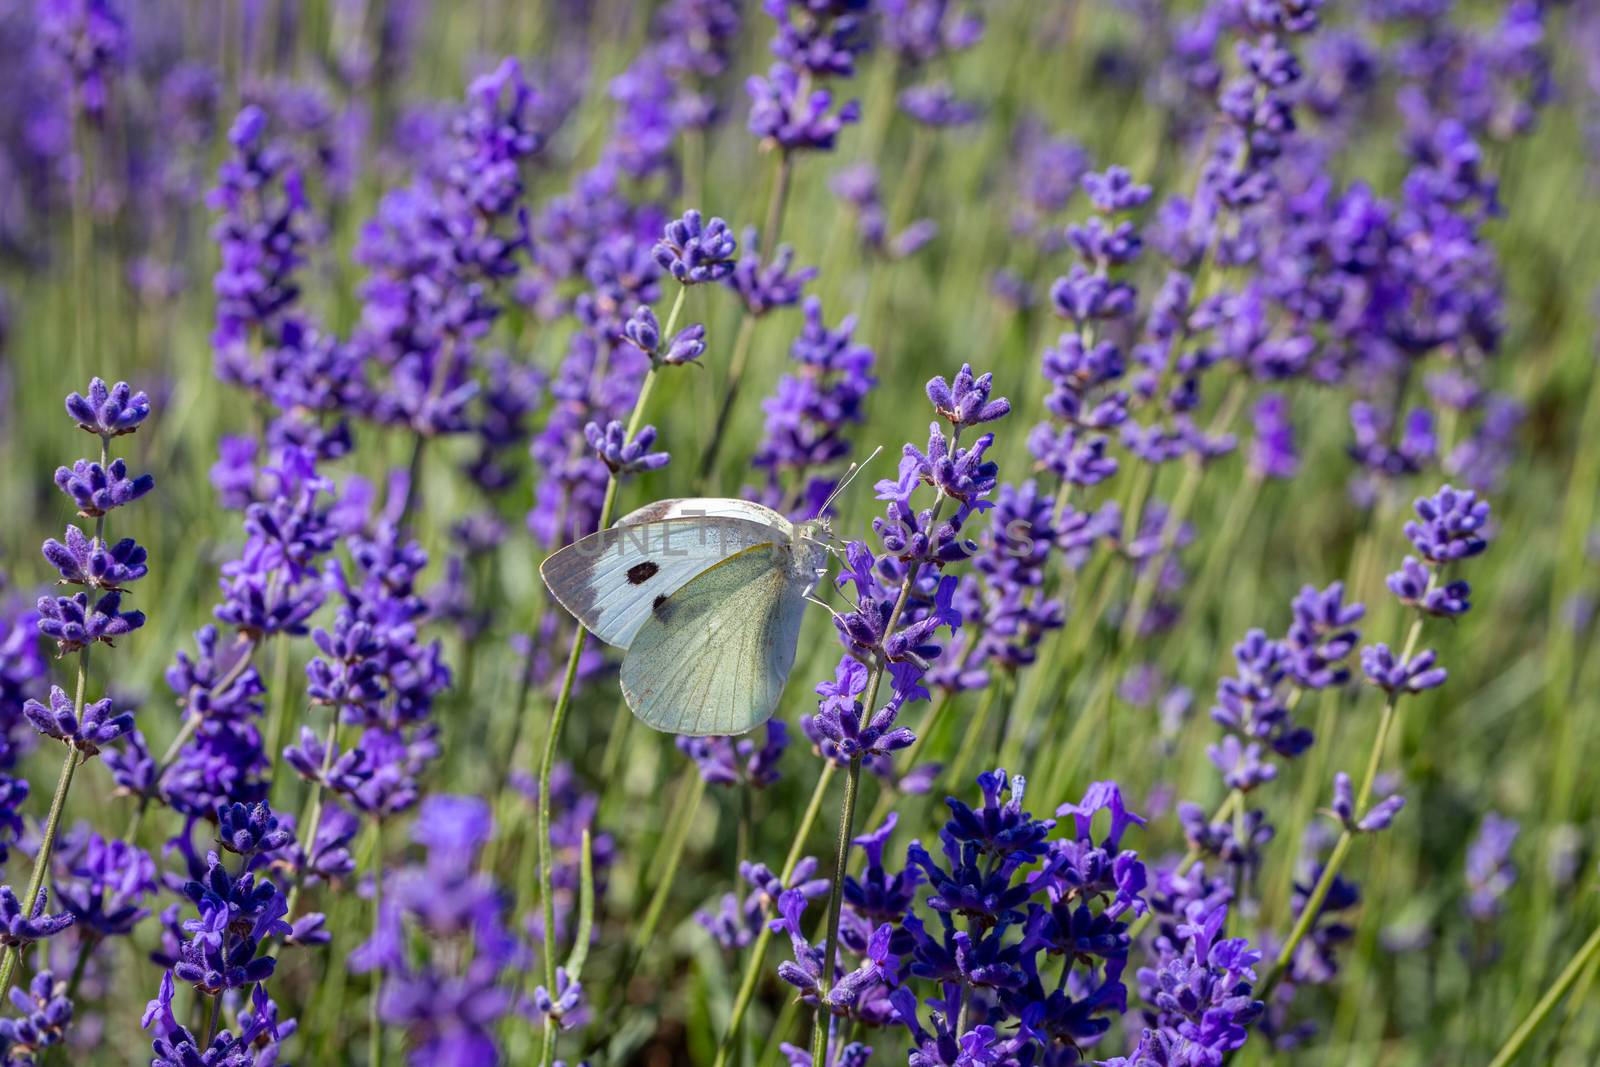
[1330, 871]
[558, 715]
[758, 952]
[1587, 953]
[847, 819]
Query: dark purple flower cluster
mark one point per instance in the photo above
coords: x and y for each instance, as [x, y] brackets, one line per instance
[22, 673]
[1490, 872]
[257, 1044]
[1019, 948]
[921, 32]
[21, 927]
[695, 40]
[377, 673]
[103, 883]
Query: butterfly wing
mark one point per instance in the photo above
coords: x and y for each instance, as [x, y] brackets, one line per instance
[610, 579]
[713, 657]
[718, 507]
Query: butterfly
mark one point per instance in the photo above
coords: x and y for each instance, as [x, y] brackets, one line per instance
[707, 595]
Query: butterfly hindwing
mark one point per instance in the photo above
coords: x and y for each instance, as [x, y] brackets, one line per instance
[713, 657]
[611, 579]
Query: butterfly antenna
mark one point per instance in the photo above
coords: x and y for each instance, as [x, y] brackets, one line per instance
[855, 468]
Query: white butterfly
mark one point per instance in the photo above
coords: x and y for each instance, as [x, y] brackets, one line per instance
[707, 595]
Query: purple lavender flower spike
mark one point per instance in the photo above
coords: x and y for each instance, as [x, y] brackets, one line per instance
[1272, 451]
[643, 330]
[695, 251]
[1382, 814]
[1490, 872]
[96, 490]
[781, 116]
[565, 1007]
[83, 561]
[1379, 816]
[1384, 670]
[73, 623]
[1114, 191]
[1453, 525]
[96, 728]
[44, 1011]
[686, 346]
[1415, 586]
[936, 104]
[248, 829]
[109, 411]
[622, 454]
[1322, 636]
[18, 929]
[767, 284]
[965, 400]
[90, 39]
[106, 883]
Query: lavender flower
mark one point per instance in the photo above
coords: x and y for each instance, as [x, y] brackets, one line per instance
[44, 1012]
[624, 454]
[694, 251]
[87, 732]
[103, 884]
[19, 928]
[1384, 670]
[738, 761]
[780, 115]
[1490, 873]
[1452, 527]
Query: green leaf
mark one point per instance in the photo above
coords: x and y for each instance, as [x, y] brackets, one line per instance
[580, 944]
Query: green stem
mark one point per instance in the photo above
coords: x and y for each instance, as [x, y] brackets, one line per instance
[830, 952]
[558, 715]
[211, 1020]
[1341, 849]
[311, 819]
[47, 842]
[777, 202]
[847, 813]
[758, 951]
[1552, 996]
[736, 365]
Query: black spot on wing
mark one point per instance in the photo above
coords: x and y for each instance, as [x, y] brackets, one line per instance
[640, 573]
[658, 601]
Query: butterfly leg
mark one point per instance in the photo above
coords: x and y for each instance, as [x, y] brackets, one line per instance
[813, 598]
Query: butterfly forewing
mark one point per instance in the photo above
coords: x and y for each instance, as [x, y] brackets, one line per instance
[611, 580]
[714, 507]
[713, 657]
